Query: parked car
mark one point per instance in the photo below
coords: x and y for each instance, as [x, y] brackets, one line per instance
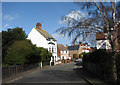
[79, 60]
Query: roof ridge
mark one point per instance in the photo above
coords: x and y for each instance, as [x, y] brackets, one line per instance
[45, 34]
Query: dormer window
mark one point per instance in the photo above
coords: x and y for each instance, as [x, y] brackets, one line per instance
[51, 43]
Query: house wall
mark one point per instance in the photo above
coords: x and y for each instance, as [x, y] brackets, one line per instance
[64, 54]
[103, 44]
[86, 51]
[58, 54]
[71, 52]
[40, 41]
[53, 49]
[80, 50]
[37, 39]
[84, 48]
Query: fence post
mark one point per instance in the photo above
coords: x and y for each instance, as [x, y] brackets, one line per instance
[16, 68]
[22, 68]
[9, 71]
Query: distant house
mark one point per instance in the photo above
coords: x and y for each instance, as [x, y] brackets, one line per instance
[63, 52]
[85, 47]
[78, 49]
[58, 53]
[42, 38]
[103, 42]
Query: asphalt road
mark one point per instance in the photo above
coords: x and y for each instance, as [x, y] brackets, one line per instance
[58, 74]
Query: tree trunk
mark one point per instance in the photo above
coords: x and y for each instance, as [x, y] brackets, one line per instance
[113, 67]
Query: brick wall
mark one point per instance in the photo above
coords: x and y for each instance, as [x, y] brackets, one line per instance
[58, 52]
[71, 52]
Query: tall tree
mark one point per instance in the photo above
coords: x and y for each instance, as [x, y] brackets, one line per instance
[102, 16]
[9, 37]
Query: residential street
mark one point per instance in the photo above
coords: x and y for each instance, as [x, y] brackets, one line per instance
[58, 74]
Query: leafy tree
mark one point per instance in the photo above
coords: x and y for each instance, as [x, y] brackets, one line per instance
[8, 38]
[81, 54]
[75, 56]
[45, 55]
[24, 52]
[18, 52]
[101, 16]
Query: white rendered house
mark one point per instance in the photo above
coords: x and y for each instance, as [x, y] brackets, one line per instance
[85, 48]
[42, 38]
[102, 42]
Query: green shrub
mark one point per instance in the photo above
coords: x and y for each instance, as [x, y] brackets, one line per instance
[80, 55]
[71, 59]
[24, 52]
[75, 56]
[67, 61]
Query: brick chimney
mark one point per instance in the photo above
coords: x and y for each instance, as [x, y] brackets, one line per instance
[38, 25]
[86, 43]
[66, 45]
[80, 43]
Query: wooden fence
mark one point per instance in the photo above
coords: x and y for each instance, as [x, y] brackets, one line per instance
[12, 70]
[92, 67]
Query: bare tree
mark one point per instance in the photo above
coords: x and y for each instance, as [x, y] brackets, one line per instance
[102, 16]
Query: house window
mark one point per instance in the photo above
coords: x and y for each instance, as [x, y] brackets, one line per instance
[55, 58]
[49, 49]
[52, 49]
[62, 52]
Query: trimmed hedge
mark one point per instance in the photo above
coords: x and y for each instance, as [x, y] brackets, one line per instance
[103, 59]
[98, 56]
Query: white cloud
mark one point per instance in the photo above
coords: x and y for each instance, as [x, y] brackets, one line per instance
[77, 15]
[11, 17]
[8, 17]
[56, 35]
[61, 39]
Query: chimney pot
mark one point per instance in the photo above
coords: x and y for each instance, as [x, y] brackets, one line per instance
[66, 45]
[80, 42]
[38, 25]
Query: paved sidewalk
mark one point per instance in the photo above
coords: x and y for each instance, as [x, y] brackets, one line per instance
[90, 78]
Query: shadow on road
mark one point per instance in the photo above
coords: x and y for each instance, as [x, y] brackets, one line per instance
[78, 63]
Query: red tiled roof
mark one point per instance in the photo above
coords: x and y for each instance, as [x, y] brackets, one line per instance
[99, 36]
[86, 48]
